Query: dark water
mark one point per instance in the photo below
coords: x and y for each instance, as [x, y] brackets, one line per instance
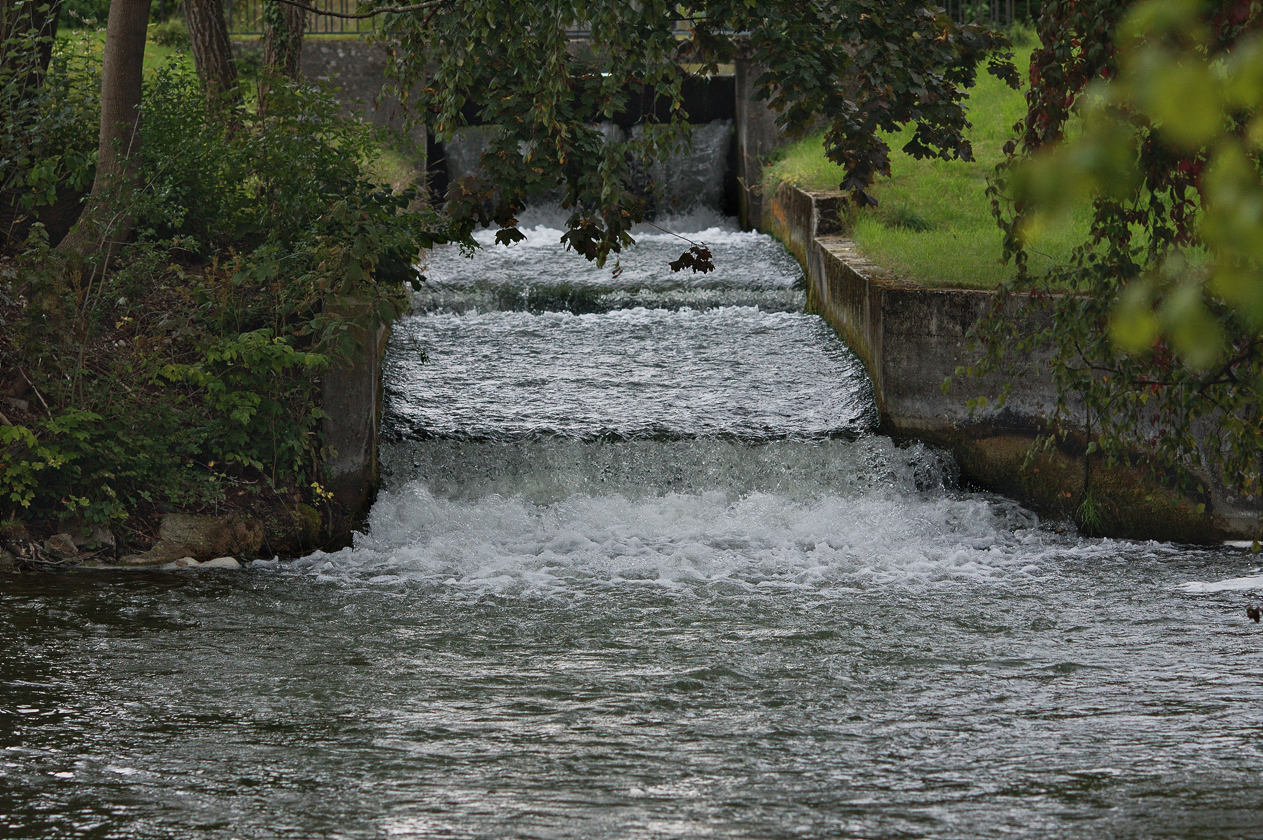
[641, 569]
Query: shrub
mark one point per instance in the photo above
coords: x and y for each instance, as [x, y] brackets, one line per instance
[48, 130]
[185, 376]
[172, 32]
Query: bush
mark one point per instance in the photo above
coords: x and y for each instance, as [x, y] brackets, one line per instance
[186, 375]
[48, 130]
[172, 32]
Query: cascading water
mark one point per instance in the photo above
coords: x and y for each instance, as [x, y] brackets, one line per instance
[693, 177]
[640, 568]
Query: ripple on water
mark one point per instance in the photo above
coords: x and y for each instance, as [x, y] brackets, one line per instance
[717, 607]
[734, 371]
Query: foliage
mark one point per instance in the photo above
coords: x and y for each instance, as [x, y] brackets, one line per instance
[251, 421]
[873, 66]
[47, 130]
[270, 183]
[85, 10]
[933, 225]
[188, 374]
[170, 33]
[1156, 347]
[99, 10]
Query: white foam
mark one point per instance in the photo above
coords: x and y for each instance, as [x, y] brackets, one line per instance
[1229, 585]
[538, 236]
[689, 543]
[711, 236]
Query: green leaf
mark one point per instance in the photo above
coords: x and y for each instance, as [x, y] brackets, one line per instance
[1242, 288]
[1194, 332]
[1133, 324]
[1243, 71]
[1181, 94]
[1154, 18]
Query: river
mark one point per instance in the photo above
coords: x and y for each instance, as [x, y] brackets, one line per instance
[642, 568]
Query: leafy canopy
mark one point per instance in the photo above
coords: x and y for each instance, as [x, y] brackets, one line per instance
[859, 66]
[1149, 113]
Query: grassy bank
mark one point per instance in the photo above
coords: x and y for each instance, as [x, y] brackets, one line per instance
[934, 224]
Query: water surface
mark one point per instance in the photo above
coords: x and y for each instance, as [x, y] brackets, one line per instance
[641, 568]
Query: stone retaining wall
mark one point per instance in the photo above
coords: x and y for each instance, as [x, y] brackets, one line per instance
[912, 339]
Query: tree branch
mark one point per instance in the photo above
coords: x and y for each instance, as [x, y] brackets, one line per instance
[417, 7]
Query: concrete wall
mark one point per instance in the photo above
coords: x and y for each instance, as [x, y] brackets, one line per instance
[352, 402]
[911, 339]
[757, 137]
[357, 71]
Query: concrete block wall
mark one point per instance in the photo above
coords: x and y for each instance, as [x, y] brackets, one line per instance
[352, 402]
[912, 338]
[757, 137]
[356, 70]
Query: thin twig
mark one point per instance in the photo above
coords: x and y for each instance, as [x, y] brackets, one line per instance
[36, 390]
[676, 235]
[380, 10]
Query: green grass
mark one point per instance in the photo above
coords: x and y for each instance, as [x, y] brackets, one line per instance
[93, 42]
[933, 224]
[395, 167]
[391, 166]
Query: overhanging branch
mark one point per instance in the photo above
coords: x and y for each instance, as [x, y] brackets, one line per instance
[416, 7]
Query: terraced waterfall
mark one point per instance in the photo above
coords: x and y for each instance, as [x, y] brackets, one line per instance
[641, 568]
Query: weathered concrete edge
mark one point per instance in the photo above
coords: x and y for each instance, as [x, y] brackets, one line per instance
[352, 402]
[911, 339]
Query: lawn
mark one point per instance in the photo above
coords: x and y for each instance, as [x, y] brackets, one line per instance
[933, 224]
[91, 40]
[392, 165]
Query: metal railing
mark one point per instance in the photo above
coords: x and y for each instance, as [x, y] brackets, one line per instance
[993, 12]
[245, 17]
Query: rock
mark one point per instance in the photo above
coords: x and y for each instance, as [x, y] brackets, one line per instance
[8, 563]
[62, 545]
[222, 563]
[211, 536]
[149, 558]
[308, 522]
[98, 536]
[182, 563]
[90, 536]
[200, 537]
[296, 533]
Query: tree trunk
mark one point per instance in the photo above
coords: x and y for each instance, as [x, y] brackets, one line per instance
[107, 221]
[283, 26]
[283, 39]
[212, 52]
